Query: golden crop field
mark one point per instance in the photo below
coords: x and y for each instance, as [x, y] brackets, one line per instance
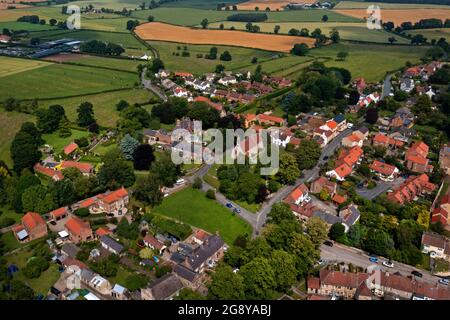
[167, 32]
[11, 66]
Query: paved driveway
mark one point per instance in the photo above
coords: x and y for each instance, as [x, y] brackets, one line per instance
[381, 187]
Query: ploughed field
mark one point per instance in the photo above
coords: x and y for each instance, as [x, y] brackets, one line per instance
[397, 16]
[167, 32]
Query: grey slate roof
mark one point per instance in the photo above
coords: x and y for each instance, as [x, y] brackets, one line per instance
[87, 275]
[70, 249]
[166, 286]
[149, 132]
[111, 243]
[328, 218]
[177, 257]
[202, 253]
[353, 217]
[184, 272]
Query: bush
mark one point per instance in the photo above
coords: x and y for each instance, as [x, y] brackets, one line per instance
[35, 267]
[6, 222]
[371, 185]
[185, 54]
[135, 282]
[161, 271]
[198, 183]
[211, 194]
[82, 212]
[179, 230]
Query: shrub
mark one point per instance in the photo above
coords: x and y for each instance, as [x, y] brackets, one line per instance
[161, 271]
[82, 212]
[211, 194]
[197, 183]
[185, 54]
[6, 222]
[35, 267]
[135, 282]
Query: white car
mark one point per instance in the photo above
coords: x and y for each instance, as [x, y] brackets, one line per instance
[433, 254]
[388, 264]
[349, 125]
[166, 195]
[180, 181]
[445, 282]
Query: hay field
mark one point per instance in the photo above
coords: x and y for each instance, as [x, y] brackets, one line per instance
[166, 32]
[399, 15]
[10, 66]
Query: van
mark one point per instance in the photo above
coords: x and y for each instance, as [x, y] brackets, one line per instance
[180, 181]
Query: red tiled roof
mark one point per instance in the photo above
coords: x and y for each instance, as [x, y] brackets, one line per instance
[74, 262]
[383, 168]
[87, 203]
[84, 167]
[70, 148]
[153, 242]
[183, 74]
[313, 283]
[416, 159]
[32, 220]
[434, 240]
[115, 195]
[339, 199]
[75, 226]
[296, 193]
[47, 171]
[331, 124]
[343, 170]
[102, 232]
[200, 234]
[268, 118]
[59, 212]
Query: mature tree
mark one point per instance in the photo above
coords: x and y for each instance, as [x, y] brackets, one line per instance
[148, 190]
[226, 285]
[143, 157]
[82, 212]
[283, 265]
[342, 55]
[168, 112]
[204, 23]
[122, 104]
[37, 199]
[24, 151]
[304, 251]
[150, 18]
[300, 49]
[372, 115]
[259, 279]
[378, 242]
[219, 68]
[276, 29]
[165, 170]
[146, 253]
[225, 56]
[53, 22]
[156, 65]
[392, 40]
[317, 230]
[258, 76]
[64, 192]
[30, 128]
[307, 154]
[128, 230]
[20, 291]
[334, 36]
[116, 171]
[189, 294]
[128, 145]
[288, 169]
[48, 120]
[337, 231]
[85, 114]
[131, 24]
[206, 114]
[198, 183]
[324, 18]
[64, 129]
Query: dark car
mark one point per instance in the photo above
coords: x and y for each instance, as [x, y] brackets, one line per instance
[417, 274]
[325, 158]
[229, 205]
[328, 243]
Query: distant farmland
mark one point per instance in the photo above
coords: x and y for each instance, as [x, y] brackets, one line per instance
[399, 15]
[263, 4]
[166, 32]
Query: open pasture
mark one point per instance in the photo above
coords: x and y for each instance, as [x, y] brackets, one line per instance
[165, 32]
[263, 4]
[10, 66]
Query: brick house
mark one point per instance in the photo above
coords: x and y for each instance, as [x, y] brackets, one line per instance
[345, 163]
[385, 172]
[79, 230]
[416, 158]
[59, 214]
[412, 188]
[32, 227]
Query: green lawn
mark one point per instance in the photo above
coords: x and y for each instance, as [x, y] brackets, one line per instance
[114, 63]
[11, 242]
[211, 177]
[8, 213]
[192, 207]
[102, 149]
[60, 80]
[10, 123]
[122, 274]
[370, 61]
[347, 30]
[24, 26]
[59, 143]
[104, 104]
[40, 285]
[241, 57]
[252, 207]
[364, 5]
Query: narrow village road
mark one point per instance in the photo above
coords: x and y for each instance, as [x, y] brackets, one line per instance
[149, 86]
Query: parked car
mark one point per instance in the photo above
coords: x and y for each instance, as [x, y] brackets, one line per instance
[349, 125]
[229, 205]
[445, 282]
[180, 181]
[433, 254]
[166, 195]
[416, 273]
[328, 243]
[237, 210]
[388, 264]
[373, 259]
[325, 158]
[321, 261]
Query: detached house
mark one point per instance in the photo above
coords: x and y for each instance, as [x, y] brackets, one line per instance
[345, 163]
[416, 158]
[205, 255]
[85, 168]
[111, 245]
[49, 172]
[32, 227]
[70, 148]
[114, 202]
[297, 196]
[436, 245]
[154, 244]
[385, 172]
[164, 288]
[79, 230]
[381, 140]
[323, 183]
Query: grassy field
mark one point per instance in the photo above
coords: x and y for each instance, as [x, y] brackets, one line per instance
[241, 57]
[110, 4]
[59, 143]
[114, 63]
[40, 285]
[10, 66]
[10, 123]
[104, 104]
[191, 16]
[8, 213]
[370, 61]
[199, 211]
[200, 4]
[58, 80]
[25, 26]
[432, 33]
[364, 5]
[347, 30]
